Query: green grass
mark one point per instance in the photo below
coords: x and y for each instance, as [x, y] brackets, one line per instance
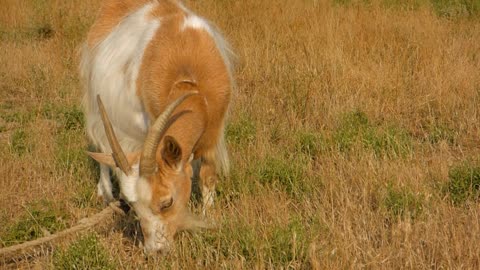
[464, 183]
[241, 131]
[443, 8]
[38, 32]
[70, 145]
[286, 174]
[309, 143]
[39, 218]
[452, 8]
[439, 133]
[85, 253]
[18, 117]
[287, 243]
[282, 244]
[20, 143]
[401, 203]
[356, 130]
[70, 118]
[69, 155]
[352, 126]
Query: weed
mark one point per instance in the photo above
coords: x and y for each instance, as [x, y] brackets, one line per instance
[286, 174]
[443, 8]
[391, 141]
[40, 218]
[241, 131]
[309, 143]
[464, 183]
[17, 117]
[287, 242]
[247, 242]
[73, 118]
[69, 154]
[453, 8]
[356, 129]
[85, 196]
[20, 143]
[39, 79]
[402, 203]
[85, 253]
[440, 133]
[44, 31]
[70, 118]
[69, 148]
[75, 28]
[351, 126]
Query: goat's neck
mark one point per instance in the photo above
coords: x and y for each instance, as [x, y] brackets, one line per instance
[188, 128]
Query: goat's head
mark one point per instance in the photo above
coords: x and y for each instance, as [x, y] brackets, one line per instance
[160, 186]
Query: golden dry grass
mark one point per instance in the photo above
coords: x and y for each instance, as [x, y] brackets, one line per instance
[349, 124]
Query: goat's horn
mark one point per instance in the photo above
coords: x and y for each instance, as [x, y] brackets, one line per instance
[118, 154]
[148, 164]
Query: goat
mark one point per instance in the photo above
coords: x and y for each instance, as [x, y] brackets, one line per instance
[164, 75]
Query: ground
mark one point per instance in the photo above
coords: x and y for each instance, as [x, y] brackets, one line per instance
[354, 137]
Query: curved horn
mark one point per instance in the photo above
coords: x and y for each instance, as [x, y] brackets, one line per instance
[148, 164]
[118, 154]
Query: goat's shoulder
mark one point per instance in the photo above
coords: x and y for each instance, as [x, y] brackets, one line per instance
[112, 12]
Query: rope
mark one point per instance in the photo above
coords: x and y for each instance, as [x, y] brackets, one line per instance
[9, 254]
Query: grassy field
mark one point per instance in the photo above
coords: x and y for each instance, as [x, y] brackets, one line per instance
[354, 136]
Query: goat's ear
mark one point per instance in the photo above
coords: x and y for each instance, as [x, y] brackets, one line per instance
[107, 159]
[171, 152]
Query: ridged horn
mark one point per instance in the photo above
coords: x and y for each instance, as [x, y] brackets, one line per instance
[118, 154]
[148, 164]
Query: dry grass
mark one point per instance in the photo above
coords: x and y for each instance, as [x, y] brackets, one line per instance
[354, 137]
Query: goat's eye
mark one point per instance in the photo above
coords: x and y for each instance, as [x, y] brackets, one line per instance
[166, 204]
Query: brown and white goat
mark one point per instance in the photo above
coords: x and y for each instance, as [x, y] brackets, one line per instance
[144, 59]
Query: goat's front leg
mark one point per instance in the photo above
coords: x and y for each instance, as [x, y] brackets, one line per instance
[208, 180]
[104, 186]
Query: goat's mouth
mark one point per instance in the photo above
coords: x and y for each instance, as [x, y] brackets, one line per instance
[155, 237]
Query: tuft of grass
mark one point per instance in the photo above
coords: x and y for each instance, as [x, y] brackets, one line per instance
[69, 154]
[438, 133]
[464, 183]
[402, 203]
[388, 140]
[285, 174]
[442, 8]
[351, 126]
[455, 8]
[20, 143]
[39, 79]
[85, 253]
[44, 31]
[309, 143]
[248, 242]
[287, 243]
[18, 117]
[391, 141]
[69, 147]
[241, 131]
[39, 219]
[73, 118]
[282, 244]
[85, 196]
[69, 118]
